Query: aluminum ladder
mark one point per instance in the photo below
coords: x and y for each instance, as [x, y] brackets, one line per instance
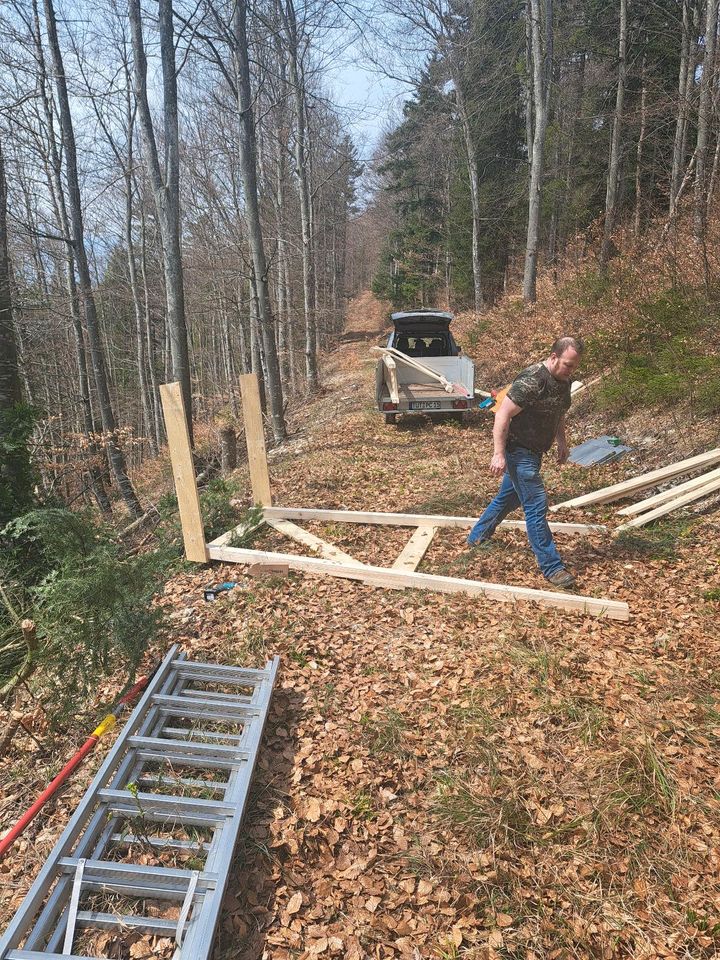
[198, 719]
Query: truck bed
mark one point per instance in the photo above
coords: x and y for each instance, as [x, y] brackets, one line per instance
[422, 391]
[417, 391]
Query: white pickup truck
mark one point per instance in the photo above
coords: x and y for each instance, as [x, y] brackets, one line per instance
[422, 369]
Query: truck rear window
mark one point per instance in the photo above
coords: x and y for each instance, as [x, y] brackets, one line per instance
[429, 346]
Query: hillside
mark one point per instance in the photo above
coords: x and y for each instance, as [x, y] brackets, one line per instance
[446, 777]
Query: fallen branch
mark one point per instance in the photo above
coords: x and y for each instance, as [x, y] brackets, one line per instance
[29, 663]
[138, 524]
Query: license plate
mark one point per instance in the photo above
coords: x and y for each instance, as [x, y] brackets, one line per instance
[425, 405]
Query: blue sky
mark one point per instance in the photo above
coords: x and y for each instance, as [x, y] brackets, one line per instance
[370, 103]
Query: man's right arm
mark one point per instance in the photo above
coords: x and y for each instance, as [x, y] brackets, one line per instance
[508, 410]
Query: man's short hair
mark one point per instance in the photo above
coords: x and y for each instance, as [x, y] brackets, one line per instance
[568, 343]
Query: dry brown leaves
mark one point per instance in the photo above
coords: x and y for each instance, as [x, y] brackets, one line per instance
[444, 777]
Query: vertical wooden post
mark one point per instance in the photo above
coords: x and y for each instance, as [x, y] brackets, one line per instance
[183, 472]
[255, 439]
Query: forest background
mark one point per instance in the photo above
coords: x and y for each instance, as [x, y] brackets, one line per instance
[181, 200]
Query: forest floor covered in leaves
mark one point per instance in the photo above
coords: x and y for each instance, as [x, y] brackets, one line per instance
[452, 777]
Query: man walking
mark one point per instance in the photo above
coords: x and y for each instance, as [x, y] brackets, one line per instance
[530, 419]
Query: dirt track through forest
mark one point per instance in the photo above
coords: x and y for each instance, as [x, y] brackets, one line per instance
[446, 777]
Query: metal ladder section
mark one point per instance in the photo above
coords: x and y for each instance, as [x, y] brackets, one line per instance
[173, 787]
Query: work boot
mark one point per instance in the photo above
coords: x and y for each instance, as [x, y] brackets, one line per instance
[562, 578]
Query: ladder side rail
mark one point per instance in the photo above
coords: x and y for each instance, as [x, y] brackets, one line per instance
[57, 901]
[21, 922]
[201, 929]
[56, 908]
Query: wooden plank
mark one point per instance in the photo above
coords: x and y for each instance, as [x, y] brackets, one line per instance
[643, 481]
[669, 494]
[385, 577]
[414, 519]
[325, 549]
[261, 570]
[390, 371]
[255, 440]
[183, 472]
[671, 505]
[415, 549]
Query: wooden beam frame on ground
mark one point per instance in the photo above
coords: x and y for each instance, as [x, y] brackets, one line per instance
[414, 520]
[644, 481]
[333, 562]
[307, 539]
[385, 577]
[416, 548]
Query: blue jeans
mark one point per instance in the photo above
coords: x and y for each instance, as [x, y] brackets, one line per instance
[522, 486]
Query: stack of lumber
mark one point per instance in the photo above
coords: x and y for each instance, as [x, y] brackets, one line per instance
[645, 511]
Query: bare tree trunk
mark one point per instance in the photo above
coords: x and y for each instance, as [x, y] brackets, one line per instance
[166, 190]
[283, 296]
[471, 162]
[116, 456]
[714, 174]
[557, 199]
[683, 105]
[248, 168]
[147, 406]
[228, 449]
[53, 167]
[528, 83]
[640, 145]
[704, 118]
[287, 12]
[615, 143]
[148, 330]
[256, 352]
[10, 388]
[140, 339]
[540, 102]
[281, 215]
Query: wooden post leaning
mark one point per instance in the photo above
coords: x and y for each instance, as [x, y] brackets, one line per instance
[255, 439]
[183, 472]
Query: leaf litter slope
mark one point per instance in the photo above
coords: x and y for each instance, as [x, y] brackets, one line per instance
[447, 777]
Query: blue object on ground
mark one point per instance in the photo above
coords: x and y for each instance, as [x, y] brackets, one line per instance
[604, 449]
[211, 593]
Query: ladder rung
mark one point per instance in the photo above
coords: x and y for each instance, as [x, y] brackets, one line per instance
[131, 888]
[163, 780]
[220, 672]
[108, 871]
[211, 735]
[165, 817]
[240, 715]
[111, 921]
[190, 760]
[129, 838]
[209, 696]
[196, 703]
[142, 803]
[190, 747]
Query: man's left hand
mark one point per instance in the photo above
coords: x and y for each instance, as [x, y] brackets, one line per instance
[563, 451]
